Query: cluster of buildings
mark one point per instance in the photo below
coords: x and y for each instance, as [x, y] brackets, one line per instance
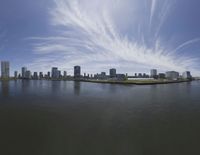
[56, 74]
[170, 75]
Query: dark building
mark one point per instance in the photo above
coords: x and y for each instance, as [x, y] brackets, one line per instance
[35, 75]
[24, 69]
[54, 73]
[77, 71]
[113, 73]
[41, 75]
[65, 74]
[121, 77]
[28, 75]
[16, 74]
[161, 76]
[48, 74]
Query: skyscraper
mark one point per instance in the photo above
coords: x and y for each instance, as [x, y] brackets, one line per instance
[35, 75]
[16, 74]
[28, 75]
[65, 74]
[5, 69]
[77, 71]
[24, 69]
[54, 73]
[153, 73]
[113, 73]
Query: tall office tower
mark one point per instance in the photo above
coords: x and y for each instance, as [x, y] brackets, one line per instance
[35, 75]
[59, 74]
[24, 69]
[113, 73]
[153, 73]
[41, 75]
[54, 73]
[5, 69]
[16, 74]
[65, 74]
[48, 74]
[28, 75]
[77, 71]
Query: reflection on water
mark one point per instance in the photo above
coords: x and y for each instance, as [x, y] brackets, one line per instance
[66, 117]
[5, 88]
[77, 88]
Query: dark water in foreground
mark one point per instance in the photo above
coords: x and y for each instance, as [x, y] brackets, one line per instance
[72, 118]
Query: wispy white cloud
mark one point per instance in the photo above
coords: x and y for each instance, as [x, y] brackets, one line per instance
[90, 37]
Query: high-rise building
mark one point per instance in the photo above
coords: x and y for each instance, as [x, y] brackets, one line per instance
[24, 69]
[59, 74]
[35, 75]
[16, 74]
[113, 73]
[153, 73]
[77, 71]
[54, 73]
[65, 74]
[48, 74]
[5, 69]
[28, 75]
[41, 75]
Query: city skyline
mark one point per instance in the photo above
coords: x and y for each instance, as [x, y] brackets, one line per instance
[132, 36]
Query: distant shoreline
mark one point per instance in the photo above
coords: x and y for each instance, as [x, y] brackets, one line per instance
[127, 82]
[137, 82]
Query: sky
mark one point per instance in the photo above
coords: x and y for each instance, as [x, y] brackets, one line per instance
[132, 36]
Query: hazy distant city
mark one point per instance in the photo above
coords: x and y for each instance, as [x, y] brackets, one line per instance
[56, 74]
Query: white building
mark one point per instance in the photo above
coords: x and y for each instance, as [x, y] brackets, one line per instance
[187, 75]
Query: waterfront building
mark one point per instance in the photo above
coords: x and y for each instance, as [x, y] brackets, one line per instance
[24, 69]
[65, 74]
[153, 73]
[187, 75]
[140, 75]
[59, 74]
[161, 76]
[35, 75]
[77, 71]
[121, 77]
[41, 75]
[16, 74]
[172, 75]
[113, 73]
[28, 75]
[48, 74]
[5, 69]
[54, 73]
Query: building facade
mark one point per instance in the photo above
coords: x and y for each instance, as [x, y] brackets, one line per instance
[77, 71]
[16, 74]
[24, 69]
[187, 75]
[113, 73]
[172, 75]
[153, 73]
[5, 69]
[54, 73]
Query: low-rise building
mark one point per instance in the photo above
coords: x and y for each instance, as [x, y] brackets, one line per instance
[172, 75]
[187, 75]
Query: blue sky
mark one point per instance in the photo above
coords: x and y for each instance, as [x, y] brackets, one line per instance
[130, 35]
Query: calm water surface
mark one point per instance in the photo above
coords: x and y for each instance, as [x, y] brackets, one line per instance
[75, 118]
